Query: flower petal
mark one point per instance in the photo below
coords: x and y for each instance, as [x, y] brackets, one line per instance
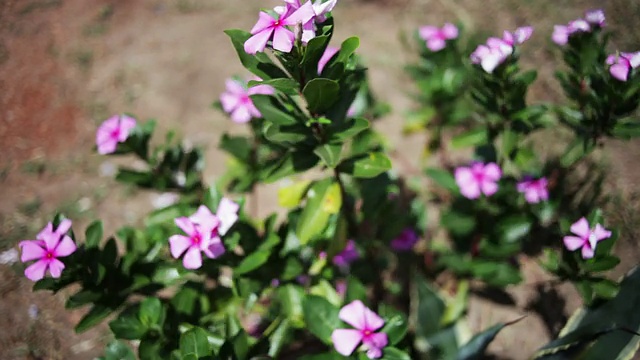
[619, 71]
[127, 123]
[214, 249]
[178, 244]
[601, 233]
[489, 187]
[372, 320]
[587, 251]
[264, 22]
[241, 115]
[55, 268]
[427, 32]
[560, 35]
[436, 44]
[346, 340]
[64, 226]
[36, 271]
[283, 39]
[31, 250]
[229, 101]
[581, 228]
[186, 224]
[326, 57]
[573, 242]
[192, 259]
[449, 31]
[227, 213]
[257, 42]
[65, 247]
[353, 314]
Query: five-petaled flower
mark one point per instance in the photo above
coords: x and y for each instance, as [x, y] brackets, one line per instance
[320, 11]
[405, 241]
[268, 28]
[587, 238]
[203, 231]
[436, 37]
[348, 255]
[366, 323]
[236, 100]
[593, 19]
[534, 190]
[622, 64]
[497, 50]
[478, 179]
[46, 249]
[112, 131]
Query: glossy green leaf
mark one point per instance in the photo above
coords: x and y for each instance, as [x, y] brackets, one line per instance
[366, 166]
[272, 112]
[93, 235]
[291, 297]
[128, 326]
[238, 146]
[355, 290]
[470, 138]
[329, 154]
[349, 129]
[474, 349]
[194, 342]
[151, 311]
[347, 48]
[395, 324]
[285, 85]
[320, 94]
[323, 199]
[288, 135]
[391, 353]
[118, 350]
[321, 317]
[443, 178]
[93, 317]
[252, 262]
[258, 64]
[429, 310]
[290, 196]
[289, 164]
[575, 151]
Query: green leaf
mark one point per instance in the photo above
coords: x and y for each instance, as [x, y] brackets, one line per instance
[391, 353]
[118, 350]
[627, 128]
[252, 262]
[321, 317]
[291, 196]
[430, 308]
[456, 306]
[285, 85]
[194, 343]
[288, 135]
[514, 228]
[289, 164]
[323, 199]
[128, 326]
[528, 77]
[93, 317]
[347, 48]
[355, 290]
[366, 166]
[238, 146]
[443, 178]
[272, 112]
[475, 348]
[329, 154]
[575, 151]
[151, 311]
[279, 339]
[81, 298]
[320, 94]
[348, 129]
[509, 142]
[291, 297]
[259, 64]
[605, 288]
[93, 235]
[470, 138]
[395, 324]
[601, 264]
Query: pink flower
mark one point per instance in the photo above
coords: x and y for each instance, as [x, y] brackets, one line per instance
[113, 131]
[365, 322]
[519, 36]
[436, 38]
[238, 104]
[561, 33]
[320, 10]
[341, 287]
[203, 231]
[586, 238]
[405, 241]
[496, 51]
[595, 17]
[348, 255]
[535, 190]
[622, 64]
[329, 52]
[478, 179]
[47, 248]
[268, 28]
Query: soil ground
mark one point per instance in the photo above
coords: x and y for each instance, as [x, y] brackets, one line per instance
[66, 65]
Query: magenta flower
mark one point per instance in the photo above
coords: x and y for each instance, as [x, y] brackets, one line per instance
[436, 38]
[561, 33]
[595, 17]
[405, 241]
[586, 238]
[320, 10]
[203, 231]
[365, 322]
[478, 179]
[518, 37]
[622, 64]
[348, 255]
[236, 101]
[496, 50]
[268, 28]
[46, 249]
[328, 54]
[113, 131]
[534, 190]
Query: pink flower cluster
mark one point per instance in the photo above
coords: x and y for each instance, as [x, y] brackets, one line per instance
[278, 29]
[49, 245]
[592, 20]
[622, 64]
[436, 38]
[497, 50]
[203, 230]
[112, 131]
[480, 178]
[236, 100]
[585, 237]
[365, 323]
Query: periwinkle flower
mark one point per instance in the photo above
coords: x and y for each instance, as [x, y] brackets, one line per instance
[348, 255]
[237, 103]
[534, 190]
[112, 131]
[49, 245]
[497, 50]
[478, 179]
[436, 38]
[585, 237]
[622, 64]
[365, 323]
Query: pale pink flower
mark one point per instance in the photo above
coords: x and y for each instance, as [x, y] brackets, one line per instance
[270, 28]
[518, 37]
[237, 103]
[203, 231]
[534, 190]
[587, 238]
[366, 323]
[348, 255]
[46, 249]
[622, 64]
[595, 17]
[497, 50]
[478, 179]
[112, 131]
[436, 37]
[328, 54]
[320, 10]
[561, 33]
[405, 241]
